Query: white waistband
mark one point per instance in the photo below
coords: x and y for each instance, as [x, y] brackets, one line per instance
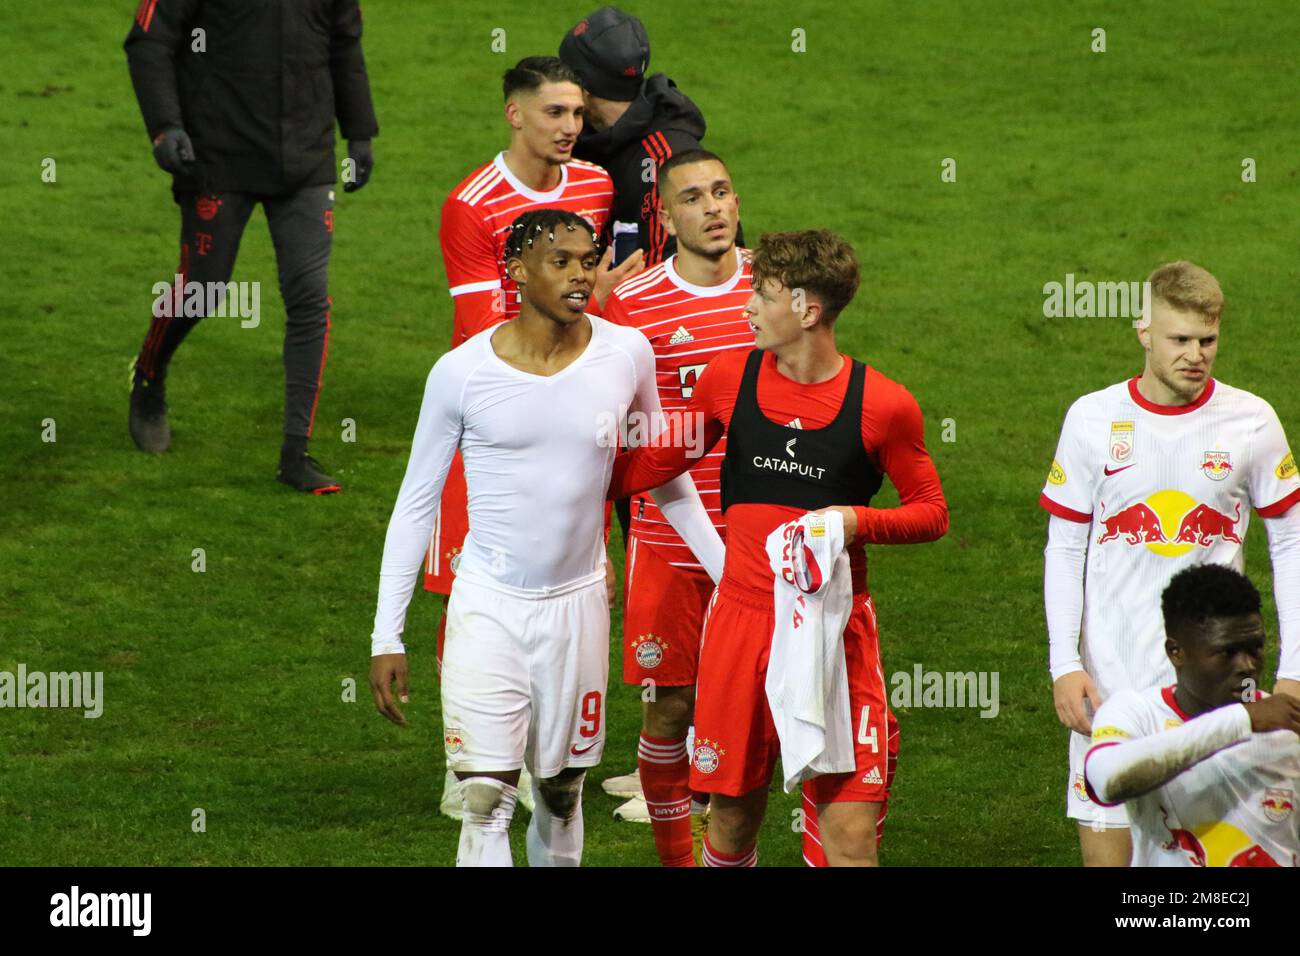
[538, 594]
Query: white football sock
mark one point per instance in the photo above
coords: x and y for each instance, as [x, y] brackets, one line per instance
[550, 840]
[485, 827]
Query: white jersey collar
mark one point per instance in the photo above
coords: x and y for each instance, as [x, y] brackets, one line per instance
[703, 291]
[534, 195]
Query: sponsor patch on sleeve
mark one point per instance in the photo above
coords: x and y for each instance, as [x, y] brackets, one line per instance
[1286, 467]
[1107, 733]
[1056, 475]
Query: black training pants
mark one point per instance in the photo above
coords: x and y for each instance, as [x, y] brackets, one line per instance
[302, 226]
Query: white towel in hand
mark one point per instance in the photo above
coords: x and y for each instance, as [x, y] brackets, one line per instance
[807, 681]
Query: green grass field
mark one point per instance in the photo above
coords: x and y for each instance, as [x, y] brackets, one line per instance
[223, 688]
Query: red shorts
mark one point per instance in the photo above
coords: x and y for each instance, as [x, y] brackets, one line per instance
[736, 747]
[449, 529]
[662, 618]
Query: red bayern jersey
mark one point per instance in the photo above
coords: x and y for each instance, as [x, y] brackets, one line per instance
[476, 219]
[892, 434]
[687, 325]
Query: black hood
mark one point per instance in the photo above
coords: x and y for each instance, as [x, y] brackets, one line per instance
[659, 106]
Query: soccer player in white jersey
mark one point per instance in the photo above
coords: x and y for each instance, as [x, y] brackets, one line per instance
[535, 406]
[544, 107]
[691, 308]
[1151, 476]
[1208, 770]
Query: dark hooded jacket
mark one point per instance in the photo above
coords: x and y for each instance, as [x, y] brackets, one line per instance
[661, 122]
[260, 96]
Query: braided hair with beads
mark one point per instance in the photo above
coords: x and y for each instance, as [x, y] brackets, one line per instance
[534, 224]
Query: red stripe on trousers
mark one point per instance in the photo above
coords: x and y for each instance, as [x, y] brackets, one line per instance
[325, 352]
[158, 330]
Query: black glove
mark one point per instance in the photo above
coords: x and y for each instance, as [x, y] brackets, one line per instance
[173, 151]
[363, 163]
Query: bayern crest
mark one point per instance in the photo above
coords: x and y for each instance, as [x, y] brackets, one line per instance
[649, 651]
[207, 207]
[1217, 465]
[706, 756]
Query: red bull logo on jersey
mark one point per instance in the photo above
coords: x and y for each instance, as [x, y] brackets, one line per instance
[1217, 844]
[1278, 803]
[1217, 465]
[1202, 524]
[1170, 523]
[454, 740]
[1138, 523]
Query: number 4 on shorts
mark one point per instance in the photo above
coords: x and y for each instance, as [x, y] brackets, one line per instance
[867, 733]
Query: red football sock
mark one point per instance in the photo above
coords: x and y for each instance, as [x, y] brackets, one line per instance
[713, 857]
[665, 776]
[813, 854]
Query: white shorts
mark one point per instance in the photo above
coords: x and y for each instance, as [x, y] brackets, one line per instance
[524, 676]
[1078, 805]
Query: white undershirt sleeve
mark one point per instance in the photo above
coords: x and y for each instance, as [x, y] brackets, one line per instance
[1122, 771]
[437, 435]
[677, 499]
[1063, 568]
[1284, 552]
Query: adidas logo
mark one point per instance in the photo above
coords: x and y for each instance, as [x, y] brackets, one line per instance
[794, 424]
[872, 776]
[681, 336]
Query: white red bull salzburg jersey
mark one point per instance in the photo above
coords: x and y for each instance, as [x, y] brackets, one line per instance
[687, 325]
[1163, 487]
[1235, 808]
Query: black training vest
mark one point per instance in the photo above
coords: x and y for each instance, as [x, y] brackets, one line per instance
[810, 468]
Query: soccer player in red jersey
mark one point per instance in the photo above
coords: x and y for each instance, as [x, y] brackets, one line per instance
[808, 428]
[691, 308]
[544, 106]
